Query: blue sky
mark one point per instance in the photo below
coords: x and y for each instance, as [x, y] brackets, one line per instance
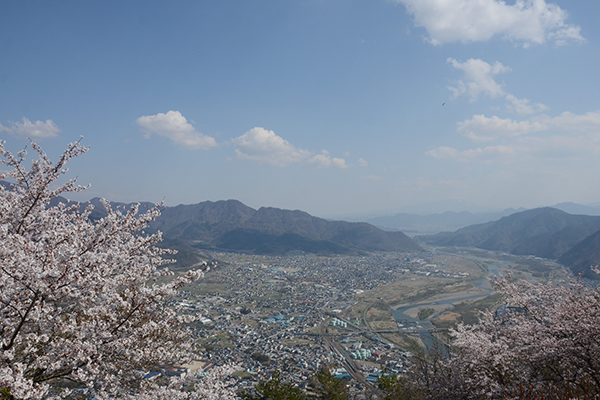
[334, 107]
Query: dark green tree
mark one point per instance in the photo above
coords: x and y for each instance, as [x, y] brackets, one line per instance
[328, 387]
[399, 388]
[275, 389]
[260, 357]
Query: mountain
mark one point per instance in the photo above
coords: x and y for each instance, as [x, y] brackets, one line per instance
[264, 243]
[100, 212]
[418, 223]
[432, 223]
[583, 255]
[202, 222]
[574, 208]
[542, 232]
[231, 225]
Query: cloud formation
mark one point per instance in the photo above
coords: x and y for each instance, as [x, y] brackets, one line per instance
[37, 129]
[262, 145]
[527, 22]
[259, 144]
[480, 128]
[523, 106]
[566, 135]
[175, 126]
[478, 79]
[569, 121]
[324, 160]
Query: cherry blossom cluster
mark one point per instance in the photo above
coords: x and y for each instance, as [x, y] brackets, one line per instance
[545, 340]
[80, 306]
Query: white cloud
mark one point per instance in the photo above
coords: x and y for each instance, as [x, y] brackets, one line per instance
[259, 144]
[37, 129]
[479, 154]
[262, 145]
[567, 135]
[523, 106]
[324, 160]
[481, 128]
[560, 146]
[175, 126]
[568, 34]
[569, 121]
[363, 163]
[526, 21]
[478, 79]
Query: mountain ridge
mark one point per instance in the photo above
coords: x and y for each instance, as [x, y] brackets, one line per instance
[437, 222]
[543, 232]
[268, 230]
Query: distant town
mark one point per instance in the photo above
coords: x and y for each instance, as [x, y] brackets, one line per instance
[295, 314]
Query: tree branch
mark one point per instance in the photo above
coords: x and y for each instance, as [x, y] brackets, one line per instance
[23, 319]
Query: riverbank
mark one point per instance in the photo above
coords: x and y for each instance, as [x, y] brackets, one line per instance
[440, 302]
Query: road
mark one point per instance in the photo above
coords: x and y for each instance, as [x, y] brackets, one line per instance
[352, 368]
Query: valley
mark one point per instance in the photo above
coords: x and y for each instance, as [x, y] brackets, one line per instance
[360, 313]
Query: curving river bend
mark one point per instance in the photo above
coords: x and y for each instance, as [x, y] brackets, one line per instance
[423, 328]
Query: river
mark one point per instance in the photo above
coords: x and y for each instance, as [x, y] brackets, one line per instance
[423, 328]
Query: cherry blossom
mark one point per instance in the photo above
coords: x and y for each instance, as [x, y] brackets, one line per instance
[80, 305]
[544, 340]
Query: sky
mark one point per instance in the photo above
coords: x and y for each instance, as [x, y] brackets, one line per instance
[333, 107]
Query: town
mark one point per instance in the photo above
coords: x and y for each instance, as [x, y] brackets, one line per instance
[295, 314]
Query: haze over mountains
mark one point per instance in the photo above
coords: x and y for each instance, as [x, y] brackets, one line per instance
[231, 225]
[430, 223]
[434, 223]
[571, 239]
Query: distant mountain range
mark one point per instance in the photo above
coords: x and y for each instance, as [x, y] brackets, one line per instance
[433, 223]
[231, 225]
[573, 240]
[415, 224]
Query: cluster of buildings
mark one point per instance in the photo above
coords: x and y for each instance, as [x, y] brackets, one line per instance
[264, 314]
[339, 322]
